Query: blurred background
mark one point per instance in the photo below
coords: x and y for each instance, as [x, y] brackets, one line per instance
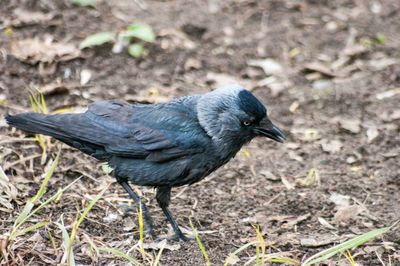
[328, 72]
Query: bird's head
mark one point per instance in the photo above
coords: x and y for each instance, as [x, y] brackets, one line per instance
[232, 113]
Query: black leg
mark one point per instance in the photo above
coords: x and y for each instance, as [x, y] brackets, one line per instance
[148, 223]
[163, 197]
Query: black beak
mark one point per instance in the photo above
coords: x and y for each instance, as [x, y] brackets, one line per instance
[267, 129]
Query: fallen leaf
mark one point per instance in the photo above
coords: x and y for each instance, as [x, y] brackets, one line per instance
[395, 115]
[311, 133]
[192, 63]
[86, 74]
[325, 223]
[277, 85]
[290, 223]
[372, 134]
[293, 107]
[346, 213]
[355, 168]
[388, 94]
[321, 68]
[111, 217]
[352, 125]
[221, 79]
[287, 184]
[380, 64]
[320, 240]
[269, 175]
[35, 50]
[322, 87]
[234, 260]
[270, 66]
[331, 146]
[355, 49]
[161, 245]
[340, 200]
[27, 17]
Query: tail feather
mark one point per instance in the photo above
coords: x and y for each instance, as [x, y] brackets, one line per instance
[35, 123]
[59, 126]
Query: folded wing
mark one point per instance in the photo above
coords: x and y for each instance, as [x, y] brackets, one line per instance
[155, 133]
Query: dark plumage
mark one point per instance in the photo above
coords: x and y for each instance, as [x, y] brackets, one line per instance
[161, 145]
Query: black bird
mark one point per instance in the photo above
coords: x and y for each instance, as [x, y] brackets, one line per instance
[161, 145]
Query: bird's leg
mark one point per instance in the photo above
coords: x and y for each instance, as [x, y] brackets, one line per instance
[163, 197]
[145, 214]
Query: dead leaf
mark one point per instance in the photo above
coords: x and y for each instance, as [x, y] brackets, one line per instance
[353, 125]
[269, 175]
[388, 94]
[27, 17]
[111, 217]
[161, 245]
[321, 68]
[395, 115]
[270, 66]
[129, 224]
[276, 85]
[340, 200]
[290, 223]
[287, 184]
[34, 50]
[221, 79]
[293, 107]
[318, 241]
[331, 146]
[234, 260]
[325, 223]
[372, 134]
[355, 49]
[295, 156]
[86, 74]
[380, 64]
[346, 213]
[192, 63]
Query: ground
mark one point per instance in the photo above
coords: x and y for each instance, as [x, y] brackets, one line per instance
[328, 72]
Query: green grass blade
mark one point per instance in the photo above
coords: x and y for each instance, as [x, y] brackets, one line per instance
[121, 254]
[96, 39]
[157, 260]
[25, 212]
[41, 206]
[49, 174]
[66, 240]
[357, 241]
[91, 3]
[29, 205]
[203, 250]
[239, 250]
[30, 228]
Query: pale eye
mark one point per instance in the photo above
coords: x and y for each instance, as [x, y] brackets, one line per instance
[247, 123]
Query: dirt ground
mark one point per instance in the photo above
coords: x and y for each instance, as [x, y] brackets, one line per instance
[328, 72]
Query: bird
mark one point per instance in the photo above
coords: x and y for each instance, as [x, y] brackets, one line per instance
[162, 145]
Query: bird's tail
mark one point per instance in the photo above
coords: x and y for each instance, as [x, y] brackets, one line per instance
[37, 123]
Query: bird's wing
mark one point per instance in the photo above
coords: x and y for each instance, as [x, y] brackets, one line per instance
[152, 132]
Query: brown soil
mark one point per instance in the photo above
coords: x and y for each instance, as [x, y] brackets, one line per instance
[336, 98]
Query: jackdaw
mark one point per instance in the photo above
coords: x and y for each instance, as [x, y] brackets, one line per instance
[161, 145]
